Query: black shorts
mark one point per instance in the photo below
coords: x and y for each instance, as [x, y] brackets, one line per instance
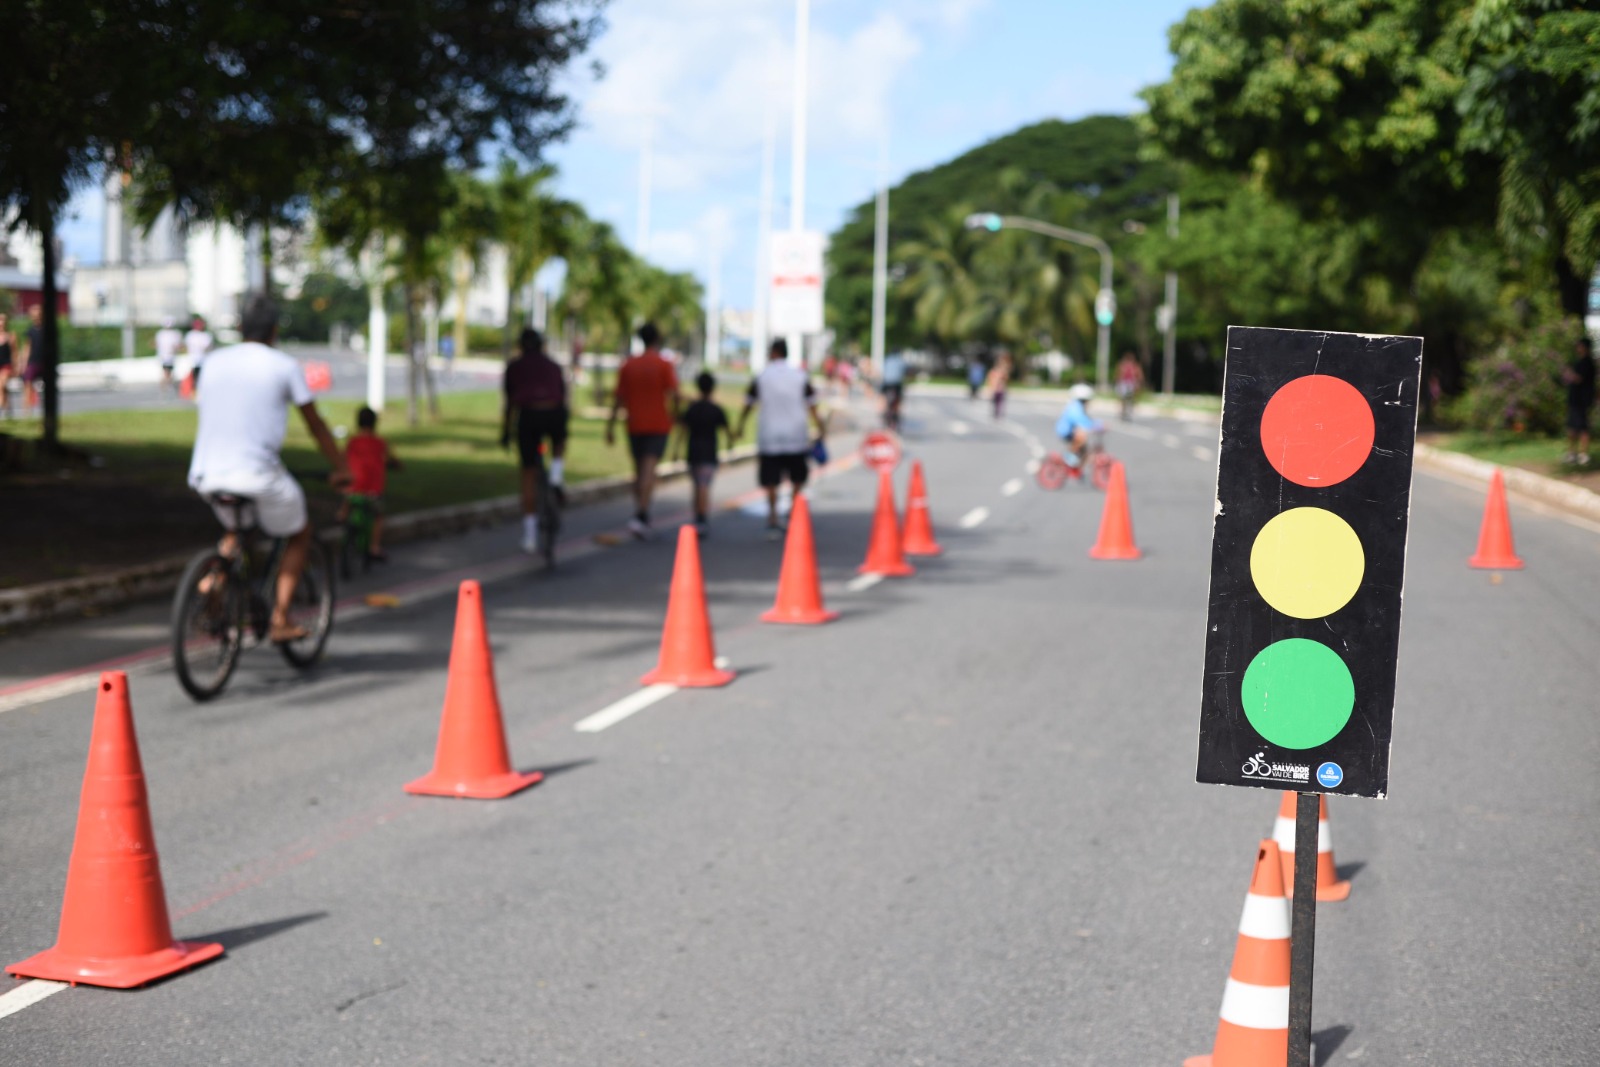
[647, 444]
[772, 468]
[1578, 415]
[536, 424]
[894, 393]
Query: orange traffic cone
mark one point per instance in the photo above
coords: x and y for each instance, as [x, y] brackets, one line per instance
[918, 539]
[472, 759]
[1254, 1029]
[186, 386]
[1495, 550]
[1116, 524]
[688, 653]
[799, 588]
[884, 555]
[114, 926]
[1328, 885]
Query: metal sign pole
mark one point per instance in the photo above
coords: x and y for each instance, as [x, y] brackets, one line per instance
[1303, 927]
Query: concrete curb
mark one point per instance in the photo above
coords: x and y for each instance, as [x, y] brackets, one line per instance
[44, 601]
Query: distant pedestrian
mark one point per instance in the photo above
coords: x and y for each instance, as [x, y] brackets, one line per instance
[999, 382]
[1130, 381]
[168, 341]
[1579, 378]
[8, 346]
[370, 460]
[447, 353]
[196, 343]
[783, 443]
[975, 375]
[536, 408]
[647, 388]
[33, 359]
[702, 421]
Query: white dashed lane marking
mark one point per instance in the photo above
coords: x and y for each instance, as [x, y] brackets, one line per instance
[973, 518]
[27, 995]
[628, 706]
[862, 582]
[1011, 488]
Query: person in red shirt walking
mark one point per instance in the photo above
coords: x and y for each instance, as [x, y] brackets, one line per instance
[370, 460]
[647, 387]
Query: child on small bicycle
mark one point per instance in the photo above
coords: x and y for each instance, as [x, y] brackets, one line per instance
[370, 459]
[1075, 426]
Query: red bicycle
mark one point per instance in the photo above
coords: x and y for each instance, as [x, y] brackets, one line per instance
[1054, 470]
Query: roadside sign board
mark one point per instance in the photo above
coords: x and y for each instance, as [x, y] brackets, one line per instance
[880, 451]
[319, 376]
[1307, 560]
[796, 301]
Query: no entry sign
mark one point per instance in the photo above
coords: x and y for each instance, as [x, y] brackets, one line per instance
[1308, 557]
[880, 451]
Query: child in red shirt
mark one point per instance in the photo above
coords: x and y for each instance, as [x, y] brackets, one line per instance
[370, 461]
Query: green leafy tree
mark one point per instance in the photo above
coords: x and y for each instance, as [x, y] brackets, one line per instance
[532, 225]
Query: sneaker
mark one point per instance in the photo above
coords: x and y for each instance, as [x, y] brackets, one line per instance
[774, 532]
[702, 529]
[1583, 459]
[530, 543]
[637, 527]
[560, 492]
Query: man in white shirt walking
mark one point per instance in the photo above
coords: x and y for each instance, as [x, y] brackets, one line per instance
[168, 341]
[783, 442]
[244, 412]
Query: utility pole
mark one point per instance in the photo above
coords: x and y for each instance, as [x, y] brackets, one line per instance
[126, 241]
[880, 257]
[758, 323]
[1169, 353]
[797, 146]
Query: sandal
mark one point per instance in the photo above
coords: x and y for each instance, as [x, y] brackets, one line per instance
[287, 632]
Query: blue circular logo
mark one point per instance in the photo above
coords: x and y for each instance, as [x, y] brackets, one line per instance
[1330, 774]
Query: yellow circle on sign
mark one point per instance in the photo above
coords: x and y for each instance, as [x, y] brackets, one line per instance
[1307, 562]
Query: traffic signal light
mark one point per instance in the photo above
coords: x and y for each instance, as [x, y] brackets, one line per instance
[1308, 556]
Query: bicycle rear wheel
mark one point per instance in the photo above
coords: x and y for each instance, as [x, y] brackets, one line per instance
[207, 625]
[311, 607]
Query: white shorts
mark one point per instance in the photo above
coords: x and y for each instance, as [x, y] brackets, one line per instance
[280, 505]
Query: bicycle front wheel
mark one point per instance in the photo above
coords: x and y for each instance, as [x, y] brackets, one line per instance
[312, 608]
[208, 625]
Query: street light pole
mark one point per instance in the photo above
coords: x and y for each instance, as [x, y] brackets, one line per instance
[797, 145]
[880, 259]
[1104, 301]
[1169, 353]
[758, 324]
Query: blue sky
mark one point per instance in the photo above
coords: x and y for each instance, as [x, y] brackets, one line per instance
[943, 75]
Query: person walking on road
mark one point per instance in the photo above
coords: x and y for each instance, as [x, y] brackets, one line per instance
[1130, 381]
[8, 345]
[535, 409]
[783, 444]
[32, 359]
[196, 343]
[1579, 378]
[242, 418]
[702, 421]
[975, 376]
[168, 341]
[647, 388]
[999, 381]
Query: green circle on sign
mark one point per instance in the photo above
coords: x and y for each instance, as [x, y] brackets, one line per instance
[1298, 693]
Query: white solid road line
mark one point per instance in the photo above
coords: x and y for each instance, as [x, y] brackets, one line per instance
[629, 705]
[973, 518]
[1011, 488]
[27, 995]
[862, 582]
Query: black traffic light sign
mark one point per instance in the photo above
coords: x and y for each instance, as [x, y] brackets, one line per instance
[1307, 559]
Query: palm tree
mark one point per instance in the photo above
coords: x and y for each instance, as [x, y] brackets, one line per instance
[466, 228]
[939, 278]
[533, 226]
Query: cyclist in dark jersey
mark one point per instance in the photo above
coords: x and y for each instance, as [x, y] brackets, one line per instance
[536, 408]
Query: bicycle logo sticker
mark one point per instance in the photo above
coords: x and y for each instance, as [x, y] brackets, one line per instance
[1258, 766]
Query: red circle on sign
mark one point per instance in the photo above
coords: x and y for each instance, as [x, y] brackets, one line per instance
[880, 451]
[1317, 430]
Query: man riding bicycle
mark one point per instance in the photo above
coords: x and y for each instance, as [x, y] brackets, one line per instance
[1075, 426]
[535, 409]
[893, 388]
[244, 411]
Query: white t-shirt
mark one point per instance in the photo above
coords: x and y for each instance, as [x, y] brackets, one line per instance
[197, 343]
[244, 409]
[167, 342]
[784, 393]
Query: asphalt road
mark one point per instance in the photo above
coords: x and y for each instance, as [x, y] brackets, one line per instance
[958, 826]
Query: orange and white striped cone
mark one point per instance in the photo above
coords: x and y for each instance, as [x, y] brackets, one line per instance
[1328, 885]
[1254, 1029]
